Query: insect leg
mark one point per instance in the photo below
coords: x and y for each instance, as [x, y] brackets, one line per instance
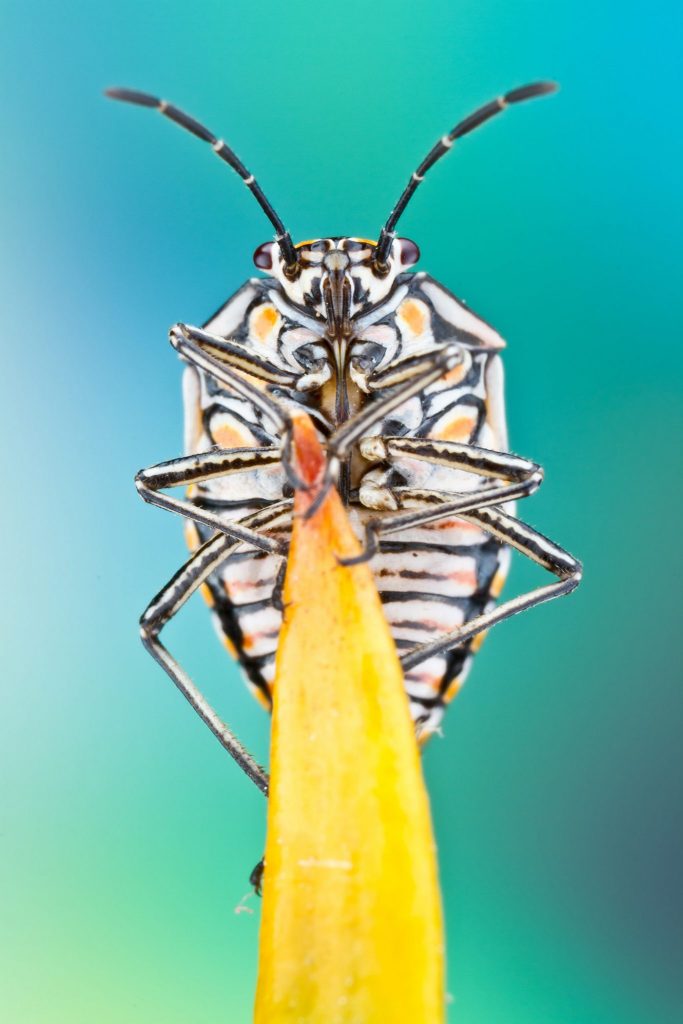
[238, 355]
[342, 440]
[193, 469]
[408, 507]
[522, 475]
[398, 370]
[204, 561]
[517, 534]
[188, 348]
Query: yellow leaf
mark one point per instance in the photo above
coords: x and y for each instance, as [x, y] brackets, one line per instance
[351, 929]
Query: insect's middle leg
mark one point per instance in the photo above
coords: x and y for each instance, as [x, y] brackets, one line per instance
[516, 477]
[194, 469]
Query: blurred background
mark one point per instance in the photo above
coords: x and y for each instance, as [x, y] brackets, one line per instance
[127, 836]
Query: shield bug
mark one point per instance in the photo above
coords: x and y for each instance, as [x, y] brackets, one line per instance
[405, 386]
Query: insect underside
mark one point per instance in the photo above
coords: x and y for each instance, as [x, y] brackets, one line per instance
[405, 386]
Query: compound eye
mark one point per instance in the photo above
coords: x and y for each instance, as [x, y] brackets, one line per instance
[263, 256]
[410, 252]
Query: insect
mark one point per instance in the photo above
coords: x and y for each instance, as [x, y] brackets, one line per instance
[405, 385]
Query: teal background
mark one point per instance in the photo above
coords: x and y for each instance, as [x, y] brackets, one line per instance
[127, 836]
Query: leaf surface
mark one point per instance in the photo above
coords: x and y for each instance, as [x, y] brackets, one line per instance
[351, 929]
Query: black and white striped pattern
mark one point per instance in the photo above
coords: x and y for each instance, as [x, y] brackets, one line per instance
[405, 387]
[431, 579]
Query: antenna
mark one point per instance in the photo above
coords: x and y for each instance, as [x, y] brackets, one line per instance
[222, 150]
[445, 143]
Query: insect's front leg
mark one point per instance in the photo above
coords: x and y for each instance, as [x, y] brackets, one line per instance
[241, 355]
[398, 371]
[206, 560]
[190, 349]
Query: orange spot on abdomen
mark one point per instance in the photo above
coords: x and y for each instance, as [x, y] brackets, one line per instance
[465, 577]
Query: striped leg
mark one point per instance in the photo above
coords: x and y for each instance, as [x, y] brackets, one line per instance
[423, 373]
[193, 469]
[189, 349]
[535, 546]
[240, 355]
[396, 372]
[504, 528]
[204, 561]
[341, 442]
[522, 477]
[439, 505]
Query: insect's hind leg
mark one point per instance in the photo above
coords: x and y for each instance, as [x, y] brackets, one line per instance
[517, 534]
[204, 561]
[194, 469]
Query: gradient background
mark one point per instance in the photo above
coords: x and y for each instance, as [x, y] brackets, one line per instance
[126, 834]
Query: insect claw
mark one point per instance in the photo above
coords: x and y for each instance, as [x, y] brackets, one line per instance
[256, 877]
[293, 477]
[327, 482]
[278, 603]
[178, 336]
[367, 554]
